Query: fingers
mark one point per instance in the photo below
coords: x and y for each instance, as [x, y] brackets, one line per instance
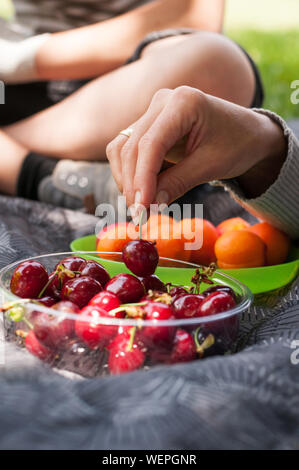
[122, 152]
[113, 152]
[174, 122]
[136, 161]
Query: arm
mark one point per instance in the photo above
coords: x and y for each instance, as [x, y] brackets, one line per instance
[94, 50]
[224, 142]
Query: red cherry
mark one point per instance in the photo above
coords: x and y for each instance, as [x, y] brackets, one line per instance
[157, 336]
[73, 263]
[106, 300]
[126, 355]
[38, 349]
[187, 306]
[177, 291]
[95, 333]
[47, 301]
[219, 288]
[80, 290]
[141, 257]
[28, 279]
[153, 283]
[96, 271]
[183, 350]
[54, 331]
[127, 287]
[216, 302]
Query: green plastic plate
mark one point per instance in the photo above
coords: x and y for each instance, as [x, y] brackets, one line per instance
[259, 280]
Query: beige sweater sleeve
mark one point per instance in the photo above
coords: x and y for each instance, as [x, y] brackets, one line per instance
[279, 205]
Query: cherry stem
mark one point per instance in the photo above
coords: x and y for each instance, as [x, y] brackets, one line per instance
[125, 306]
[131, 340]
[208, 342]
[140, 223]
[47, 285]
[198, 346]
[28, 323]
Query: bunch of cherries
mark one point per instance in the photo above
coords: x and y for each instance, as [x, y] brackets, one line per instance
[84, 288]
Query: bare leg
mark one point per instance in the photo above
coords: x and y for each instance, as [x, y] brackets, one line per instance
[12, 157]
[81, 126]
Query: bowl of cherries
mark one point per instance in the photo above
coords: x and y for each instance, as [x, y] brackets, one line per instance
[96, 313]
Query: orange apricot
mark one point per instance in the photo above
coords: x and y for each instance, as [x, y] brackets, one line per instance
[235, 223]
[114, 237]
[206, 254]
[240, 249]
[166, 232]
[277, 242]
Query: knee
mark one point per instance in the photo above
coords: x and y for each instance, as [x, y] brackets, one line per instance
[222, 68]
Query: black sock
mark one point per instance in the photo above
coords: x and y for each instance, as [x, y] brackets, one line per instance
[34, 169]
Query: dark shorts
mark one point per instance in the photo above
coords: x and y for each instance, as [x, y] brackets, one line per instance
[24, 100]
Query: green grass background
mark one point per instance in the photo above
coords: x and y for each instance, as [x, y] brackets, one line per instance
[268, 30]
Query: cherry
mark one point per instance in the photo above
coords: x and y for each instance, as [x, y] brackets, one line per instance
[157, 336]
[35, 347]
[80, 290]
[95, 333]
[183, 350]
[47, 301]
[187, 306]
[28, 279]
[73, 263]
[216, 302]
[177, 291]
[64, 271]
[127, 287]
[152, 282]
[95, 270]
[126, 355]
[54, 331]
[219, 288]
[141, 257]
[105, 300]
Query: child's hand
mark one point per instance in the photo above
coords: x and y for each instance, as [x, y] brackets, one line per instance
[223, 141]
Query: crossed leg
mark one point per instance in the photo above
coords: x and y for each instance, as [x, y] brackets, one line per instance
[81, 126]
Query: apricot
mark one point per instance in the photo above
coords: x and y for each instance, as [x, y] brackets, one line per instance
[277, 242]
[235, 223]
[240, 249]
[166, 232]
[114, 237]
[206, 254]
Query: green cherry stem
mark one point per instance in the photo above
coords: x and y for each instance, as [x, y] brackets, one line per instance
[47, 285]
[131, 340]
[123, 307]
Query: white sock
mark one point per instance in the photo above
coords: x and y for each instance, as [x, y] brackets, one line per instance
[17, 59]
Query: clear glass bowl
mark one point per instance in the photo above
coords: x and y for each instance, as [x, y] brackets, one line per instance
[215, 334]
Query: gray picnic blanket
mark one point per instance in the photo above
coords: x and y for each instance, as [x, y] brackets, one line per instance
[249, 400]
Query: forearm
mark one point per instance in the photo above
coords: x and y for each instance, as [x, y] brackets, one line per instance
[94, 50]
[270, 190]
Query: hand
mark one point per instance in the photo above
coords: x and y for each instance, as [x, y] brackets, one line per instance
[223, 141]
